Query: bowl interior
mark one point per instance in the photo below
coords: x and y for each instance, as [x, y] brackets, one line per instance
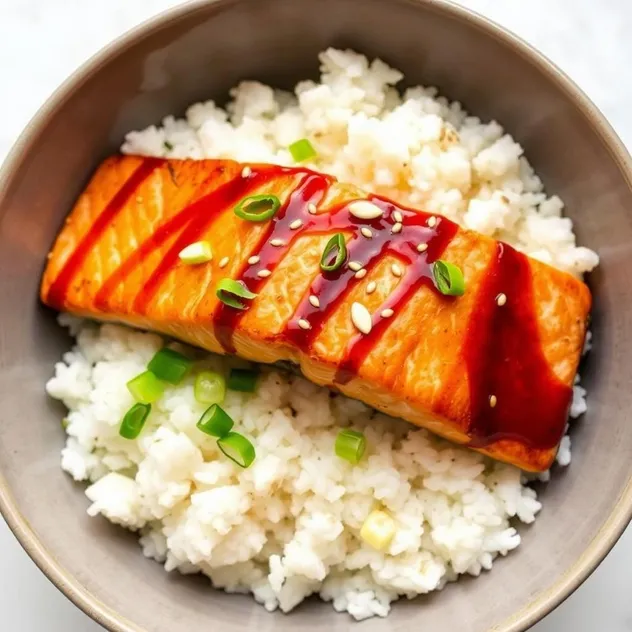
[198, 54]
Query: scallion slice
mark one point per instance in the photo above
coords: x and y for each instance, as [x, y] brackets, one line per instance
[237, 448]
[210, 388]
[302, 150]
[215, 421]
[134, 420]
[448, 278]
[258, 208]
[170, 366]
[350, 445]
[146, 388]
[230, 291]
[244, 380]
[378, 530]
[335, 253]
[196, 253]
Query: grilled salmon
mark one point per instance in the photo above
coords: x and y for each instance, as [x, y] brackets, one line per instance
[363, 294]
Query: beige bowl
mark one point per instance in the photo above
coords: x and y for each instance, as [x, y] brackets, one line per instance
[200, 51]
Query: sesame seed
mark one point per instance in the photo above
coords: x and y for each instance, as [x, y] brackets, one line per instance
[397, 228]
[254, 260]
[277, 242]
[360, 274]
[263, 274]
[139, 198]
[224, 262]
[361, 318]
[422, 247]
[314, 301]
[297, 223]
[398, 217]
[304, 324]
[366, 232]
[311, 208]
[493, 401]
[501, 299]
[363, 209]
[246, 171]
[432, 221]
[370, 288]
[354, 265]
[387, 313]
[396, 270]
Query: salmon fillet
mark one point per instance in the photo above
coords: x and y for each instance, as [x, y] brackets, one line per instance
[492, 369]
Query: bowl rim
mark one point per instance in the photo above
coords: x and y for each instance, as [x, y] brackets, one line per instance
[616, 522]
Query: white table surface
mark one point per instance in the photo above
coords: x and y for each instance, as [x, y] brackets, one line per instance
[42, 41]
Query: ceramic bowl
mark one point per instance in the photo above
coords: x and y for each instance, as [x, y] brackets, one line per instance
[198, 51]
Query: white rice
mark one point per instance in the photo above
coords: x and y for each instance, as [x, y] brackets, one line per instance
[289, 525]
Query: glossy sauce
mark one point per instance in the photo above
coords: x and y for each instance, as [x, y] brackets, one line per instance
[504, 358]
[311, 189]
[59, 289]
[502, 352]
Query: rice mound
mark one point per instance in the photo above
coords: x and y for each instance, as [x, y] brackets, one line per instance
[288, 526]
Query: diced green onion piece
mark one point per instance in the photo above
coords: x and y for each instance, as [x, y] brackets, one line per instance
[230, 291]
[237, 448]
[448, 278]
[168, 146]
[302, 150]
[378, 530]
[258, 208]
[244, 380]
[335, 253]
[210, 387]
[215, 421]
[134, 421]
[350, 445]
[146, 388]
[170, 366]
[64, 423]
[195, 253]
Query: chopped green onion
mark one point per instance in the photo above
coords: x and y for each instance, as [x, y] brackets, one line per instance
[146, 388]
[230, 291]
[244, 380]
[258, 208]
[134, 421]
[237, 448]
[170, 366]
[215, 421]
[378, 530]
[335, 253]
[64, 423]
[302, 150]
[210, 388]
[350, 445]
[448, 278]
[196, 253]
[168, 146]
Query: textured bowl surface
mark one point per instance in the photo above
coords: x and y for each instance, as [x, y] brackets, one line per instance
[200, 51]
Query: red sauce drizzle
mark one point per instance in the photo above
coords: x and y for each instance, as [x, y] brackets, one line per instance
[502, 353]
[193, 222]
[504, 358]
[418, 272]
[310, 191]
[59, 288]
